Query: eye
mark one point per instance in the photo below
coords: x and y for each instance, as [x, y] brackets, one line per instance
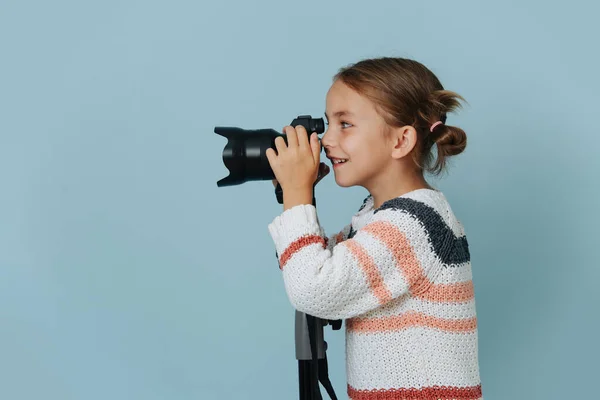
[342, 123]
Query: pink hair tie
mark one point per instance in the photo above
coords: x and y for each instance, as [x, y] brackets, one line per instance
[434, 125]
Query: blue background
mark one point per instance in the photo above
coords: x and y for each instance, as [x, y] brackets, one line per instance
[125, 273]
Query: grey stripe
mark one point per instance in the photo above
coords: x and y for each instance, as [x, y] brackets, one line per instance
[450, 249]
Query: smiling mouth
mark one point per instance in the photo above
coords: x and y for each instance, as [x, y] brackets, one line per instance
[338, 160]
[338, 163]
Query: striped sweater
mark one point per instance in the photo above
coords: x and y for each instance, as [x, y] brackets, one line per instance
[400, 276]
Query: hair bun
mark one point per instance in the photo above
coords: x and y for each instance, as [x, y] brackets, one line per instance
[451, 140]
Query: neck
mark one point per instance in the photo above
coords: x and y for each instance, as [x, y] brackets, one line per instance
[384, 193]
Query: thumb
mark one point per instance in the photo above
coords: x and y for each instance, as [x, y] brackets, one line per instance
[315, 146]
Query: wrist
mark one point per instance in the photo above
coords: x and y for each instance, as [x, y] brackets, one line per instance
[297, 196]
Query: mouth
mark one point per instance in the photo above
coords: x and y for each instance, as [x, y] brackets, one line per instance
[338, 162]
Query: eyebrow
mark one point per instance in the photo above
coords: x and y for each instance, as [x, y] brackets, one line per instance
[340, 113]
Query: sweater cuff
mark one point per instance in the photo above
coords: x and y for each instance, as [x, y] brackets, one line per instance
[293, 223]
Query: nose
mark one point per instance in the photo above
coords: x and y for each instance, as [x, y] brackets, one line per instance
[327, 140]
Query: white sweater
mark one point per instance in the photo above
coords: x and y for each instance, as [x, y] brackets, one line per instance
[401, 277]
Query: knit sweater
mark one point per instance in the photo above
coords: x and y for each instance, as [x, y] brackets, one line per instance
[400, 276]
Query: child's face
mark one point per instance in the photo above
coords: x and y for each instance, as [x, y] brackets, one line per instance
[356, 136]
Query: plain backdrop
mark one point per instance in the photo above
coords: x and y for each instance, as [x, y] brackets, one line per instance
[126, 273]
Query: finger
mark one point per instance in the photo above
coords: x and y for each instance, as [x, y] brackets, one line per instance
[302, 138]
[280, 144]
[316, 147]
[292, 137]
[271, 156]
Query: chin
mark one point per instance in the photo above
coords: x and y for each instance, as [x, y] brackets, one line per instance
[343, 183]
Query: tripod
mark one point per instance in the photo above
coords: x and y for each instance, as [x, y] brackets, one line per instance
[310, 346]
[312, 360]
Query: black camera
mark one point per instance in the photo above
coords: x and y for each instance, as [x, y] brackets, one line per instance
[244, 155]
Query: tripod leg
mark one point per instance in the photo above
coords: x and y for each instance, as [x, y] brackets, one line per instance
[324, 378]
[309, 348]
[309, 388]
[314, 363]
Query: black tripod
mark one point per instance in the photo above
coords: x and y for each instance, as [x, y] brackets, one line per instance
[312, 361]
[310, 347]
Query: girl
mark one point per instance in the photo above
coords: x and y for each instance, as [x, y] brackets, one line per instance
[400, 272]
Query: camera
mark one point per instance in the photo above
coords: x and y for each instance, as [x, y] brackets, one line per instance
[244, 155]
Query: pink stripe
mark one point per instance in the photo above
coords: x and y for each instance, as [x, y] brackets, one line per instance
[367, 264]
[298, 245]
[424, 393]
[411, 319]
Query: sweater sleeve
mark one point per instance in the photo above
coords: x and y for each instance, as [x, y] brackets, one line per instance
[337, 238]
[385, 259]
[331, 241]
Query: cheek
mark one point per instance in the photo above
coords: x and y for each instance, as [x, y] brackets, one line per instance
[351, 146]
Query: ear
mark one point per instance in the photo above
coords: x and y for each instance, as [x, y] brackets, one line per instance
[404, 139]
